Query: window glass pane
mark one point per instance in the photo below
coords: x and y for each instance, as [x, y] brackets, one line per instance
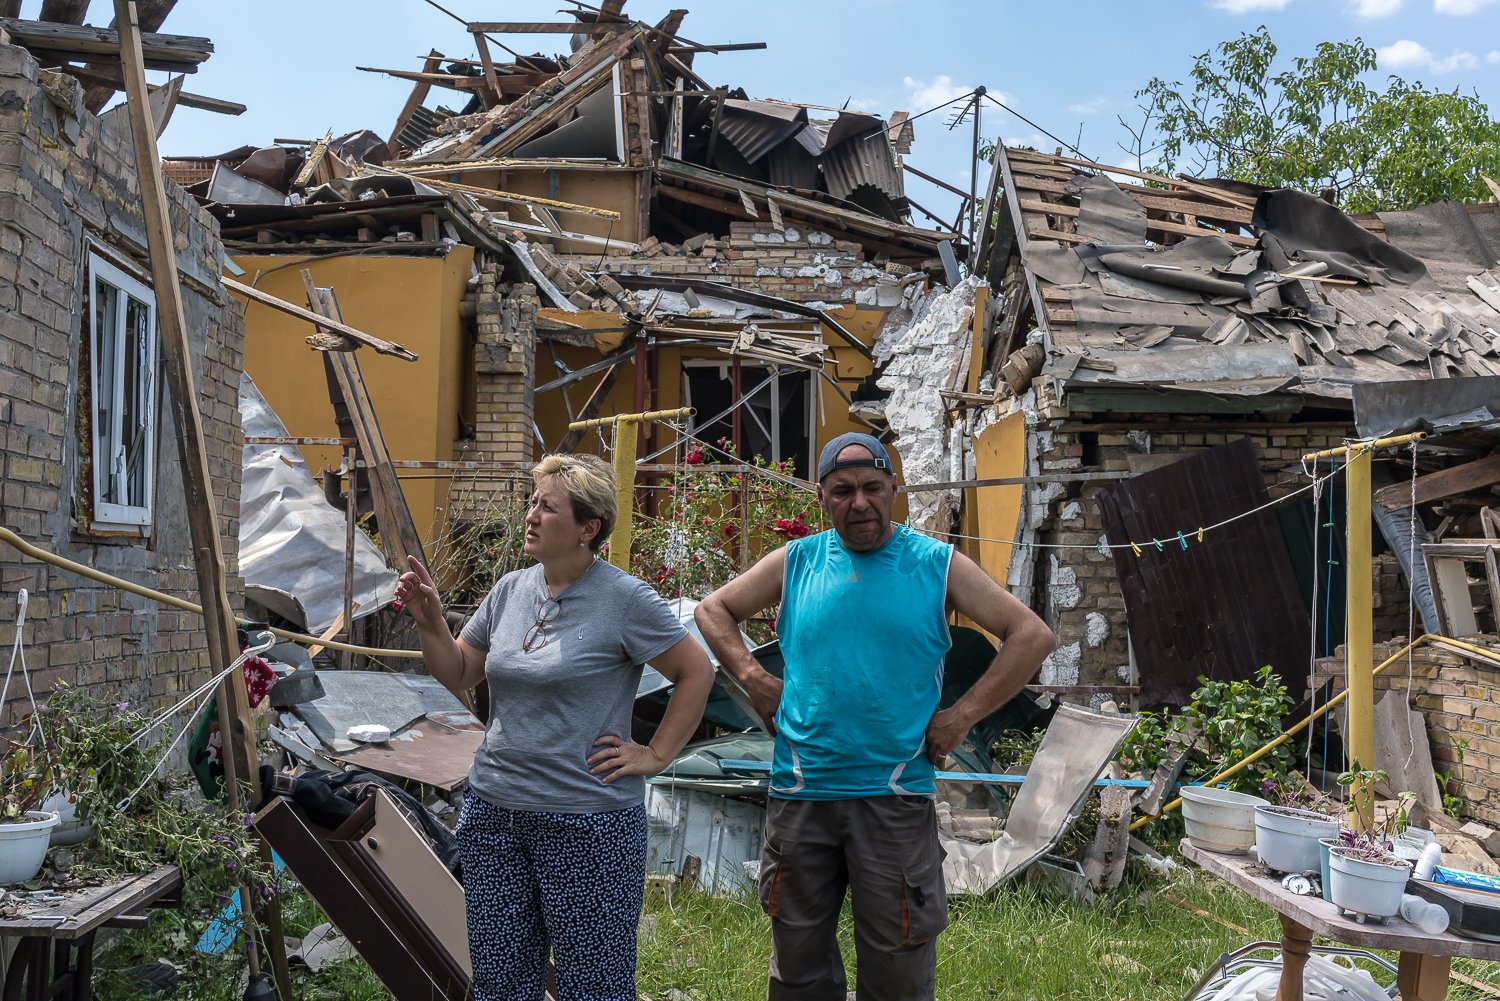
[136, 398]
[105, 355]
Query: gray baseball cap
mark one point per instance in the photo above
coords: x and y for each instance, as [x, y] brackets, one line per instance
[828, 459]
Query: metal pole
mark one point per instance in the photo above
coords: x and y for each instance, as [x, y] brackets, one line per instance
[1359, 588]
[351, 508]
[737, 392]
[626, 427]
[1360, 644]
[979, 93]
[619, 538]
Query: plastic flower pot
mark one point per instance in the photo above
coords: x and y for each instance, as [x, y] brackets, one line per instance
[1324, 846]
[1219, 820]
[1286, 838]
[1366, 885]
[23, 846]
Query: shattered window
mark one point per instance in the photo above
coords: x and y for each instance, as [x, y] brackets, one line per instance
[776, 411]
[122, 340]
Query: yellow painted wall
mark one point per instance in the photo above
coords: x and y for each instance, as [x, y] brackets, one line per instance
[617, 190]
[552, 407]
[999, 452]
[413, 301]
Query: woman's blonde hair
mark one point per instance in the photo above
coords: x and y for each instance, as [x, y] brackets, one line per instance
[589, 482]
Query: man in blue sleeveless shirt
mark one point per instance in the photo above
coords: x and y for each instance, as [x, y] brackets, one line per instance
[863, 628]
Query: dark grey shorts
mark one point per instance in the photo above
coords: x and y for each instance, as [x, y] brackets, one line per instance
[884, 852]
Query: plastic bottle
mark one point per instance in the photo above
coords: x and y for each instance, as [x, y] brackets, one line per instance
[1427, 862]
[1429, 917]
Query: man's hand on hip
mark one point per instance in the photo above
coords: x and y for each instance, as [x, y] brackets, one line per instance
[764, 689]
[946, 731]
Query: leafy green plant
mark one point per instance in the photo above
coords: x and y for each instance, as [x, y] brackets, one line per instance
[711, 521]
[1453, 801]
[1374, 832]
[1235, 719]
[1315, 123]
[139, 823]
[26, 775]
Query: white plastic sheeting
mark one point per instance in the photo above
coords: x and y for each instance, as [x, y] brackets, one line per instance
[921, 358]
[291, 538]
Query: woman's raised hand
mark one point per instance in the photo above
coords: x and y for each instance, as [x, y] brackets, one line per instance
[416, 591]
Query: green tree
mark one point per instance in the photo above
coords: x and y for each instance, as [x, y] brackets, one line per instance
[1317, 124]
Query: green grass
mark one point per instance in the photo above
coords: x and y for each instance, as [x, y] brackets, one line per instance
[1018, 943]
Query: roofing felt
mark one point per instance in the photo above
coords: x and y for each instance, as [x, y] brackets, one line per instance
[1190, 286]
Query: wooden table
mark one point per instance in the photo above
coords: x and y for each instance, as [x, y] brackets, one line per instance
[1422, 970]
[67, 925]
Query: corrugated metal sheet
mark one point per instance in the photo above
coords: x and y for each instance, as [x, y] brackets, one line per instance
[790, 165]
[756, 127]
[862, 159]
[1220, 608]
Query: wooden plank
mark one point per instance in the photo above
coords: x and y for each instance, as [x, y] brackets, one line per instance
[547, 27]
[80, 41]
[323, 322]
[202, 505]
[1151, 198]
[1162, 225]
[398, 533]
[150, 15]
[64, 11]
[1450, 593]
[1324, 919]
[1441, 484]
[487, 63]
[414, 100]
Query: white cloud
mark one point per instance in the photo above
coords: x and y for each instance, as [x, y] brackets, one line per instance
[941, 90]
[1089, 107]
[1492, 56]
[1403, 54]
[1407, 54]
[1035, 141]
[862, 104]
[1371, 9]
[1460, 8]
[1245, 6]
[1459, 60]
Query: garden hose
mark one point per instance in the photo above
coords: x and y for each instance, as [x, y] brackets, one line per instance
[52, 559]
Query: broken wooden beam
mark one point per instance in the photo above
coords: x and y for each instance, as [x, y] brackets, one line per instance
[292, 309]
[241, 775]
[548, 27]
[83, 42]
[399, 537]
[1442, 484]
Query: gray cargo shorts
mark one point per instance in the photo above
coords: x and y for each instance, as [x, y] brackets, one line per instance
[884, 851]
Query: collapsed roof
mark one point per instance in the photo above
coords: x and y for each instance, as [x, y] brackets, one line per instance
[625, 103]
[1273, 297]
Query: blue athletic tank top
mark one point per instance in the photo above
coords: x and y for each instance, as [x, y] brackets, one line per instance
[863, 635]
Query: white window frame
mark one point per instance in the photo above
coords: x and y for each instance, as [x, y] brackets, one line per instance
[107, 383]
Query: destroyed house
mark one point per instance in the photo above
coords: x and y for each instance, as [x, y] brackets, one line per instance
[1177, 346]
[598, 233]
[88, 459]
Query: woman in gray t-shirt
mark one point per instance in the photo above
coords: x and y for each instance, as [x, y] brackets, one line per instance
[553, 830]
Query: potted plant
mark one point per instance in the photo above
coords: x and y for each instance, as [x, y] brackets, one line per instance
[1287, 832]
[25, 777]
[1364, 874]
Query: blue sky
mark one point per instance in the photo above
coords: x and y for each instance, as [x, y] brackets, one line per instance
[1071, 67]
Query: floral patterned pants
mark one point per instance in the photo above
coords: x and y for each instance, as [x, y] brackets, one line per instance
[565, 883]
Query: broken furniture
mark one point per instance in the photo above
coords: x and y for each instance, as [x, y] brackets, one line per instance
[55, 955]
[1423, 967]
[384, 890]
